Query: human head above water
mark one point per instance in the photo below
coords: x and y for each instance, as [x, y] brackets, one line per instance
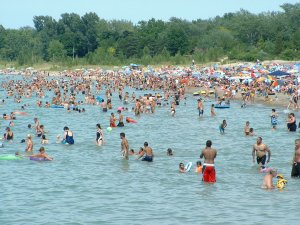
[66, 128]
[208, 143]
[122, 135]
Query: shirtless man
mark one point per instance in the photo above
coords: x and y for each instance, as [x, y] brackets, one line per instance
[200, 107]
[121, 123]
[124, 146]
[209, 154]
[147, 153]
[296, 160]
[261, 150]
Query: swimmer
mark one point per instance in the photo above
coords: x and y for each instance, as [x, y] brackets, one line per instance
[131, 152]
[247, 128]
[198, 167]
[268, 180]
[212, 110]
[181, 168]
[42, 154]
[251, 132]
[9, 135]
[222, 127]
[124, 146]
[11, 123]
[112, 120]
[44, 140]
[169, 152]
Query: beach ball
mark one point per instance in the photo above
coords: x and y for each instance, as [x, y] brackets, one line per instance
[109, 129]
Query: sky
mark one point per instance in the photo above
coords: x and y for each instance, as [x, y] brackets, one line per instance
[20, 13]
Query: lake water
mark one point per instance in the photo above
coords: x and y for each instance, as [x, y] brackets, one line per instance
[87, 184]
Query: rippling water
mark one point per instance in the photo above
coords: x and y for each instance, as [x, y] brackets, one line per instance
[87, 184]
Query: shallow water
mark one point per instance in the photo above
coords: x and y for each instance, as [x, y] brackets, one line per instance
[87, 184]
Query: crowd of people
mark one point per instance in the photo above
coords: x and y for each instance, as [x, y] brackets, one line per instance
[66, 87]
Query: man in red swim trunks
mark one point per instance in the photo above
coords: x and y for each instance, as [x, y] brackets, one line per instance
[209, 154]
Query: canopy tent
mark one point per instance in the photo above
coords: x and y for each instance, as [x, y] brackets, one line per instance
[279, 73]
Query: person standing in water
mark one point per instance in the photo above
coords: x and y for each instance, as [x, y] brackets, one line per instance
[261, 150]
[29, 144]
[212, 110]
[208, 170]
[124, 146]
[247, 128]
[121, 123]
[68, 136]
[112, 120]
[296, 160]
[99, 135]
[200, 107]
[274, 117]
[222, 127]
[291, 123]
[147, 153]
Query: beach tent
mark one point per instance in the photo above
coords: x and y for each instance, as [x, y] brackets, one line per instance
[279, 73]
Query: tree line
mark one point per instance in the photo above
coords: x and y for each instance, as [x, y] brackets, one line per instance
[88, 39]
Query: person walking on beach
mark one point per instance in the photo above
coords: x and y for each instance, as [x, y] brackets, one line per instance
[124, 146]
[296, 160]
[209, 154]
[261, 150]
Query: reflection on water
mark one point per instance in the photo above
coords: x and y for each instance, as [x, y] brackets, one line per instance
[87, 184]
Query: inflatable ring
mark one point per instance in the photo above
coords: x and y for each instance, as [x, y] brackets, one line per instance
[38, 159]
[188, 166]
[10, 157]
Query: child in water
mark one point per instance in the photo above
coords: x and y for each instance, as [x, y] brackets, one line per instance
[181, 168]
[44, 140]
[212, 110]
[222, 127]
[199, 167]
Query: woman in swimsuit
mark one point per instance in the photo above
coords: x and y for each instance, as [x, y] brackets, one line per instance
[99, 135]
[68, 137]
